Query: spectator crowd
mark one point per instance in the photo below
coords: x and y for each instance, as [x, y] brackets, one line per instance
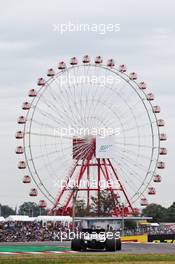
[35, 231]
[150, 230]
[51, 231]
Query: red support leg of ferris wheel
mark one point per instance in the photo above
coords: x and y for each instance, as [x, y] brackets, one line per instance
[103, 168]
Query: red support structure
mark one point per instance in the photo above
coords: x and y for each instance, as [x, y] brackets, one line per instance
[88, 189]
[99, 182]
[65, 187]
[105, 169]
[114, 197]
[122, 189]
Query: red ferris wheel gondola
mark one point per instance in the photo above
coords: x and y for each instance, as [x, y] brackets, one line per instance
[19, 135]
[151, 191]
[122, 68]
[163, 151]
[143, 202]
[160, 122]
[50, 72]
[33, 192]
[62, 65]
[150, 97]
[133, 76]
[26, 179]
[42, 204]
[26, 106]
[142, 85]
[161, 165]
[110, 63]
[41, 82]
[156, 109]
[21, 120]
[19, 150]
[21, 165]
[73, 61]
[157, 178]
[86, 59]
[98, 60]
[163, 137]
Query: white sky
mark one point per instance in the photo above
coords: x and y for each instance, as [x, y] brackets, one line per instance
[29, 46]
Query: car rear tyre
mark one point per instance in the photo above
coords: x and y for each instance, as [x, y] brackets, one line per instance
[110, 244]
[76, 244]
[118, 244]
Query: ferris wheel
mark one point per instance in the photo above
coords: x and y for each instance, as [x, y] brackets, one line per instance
[94, 126]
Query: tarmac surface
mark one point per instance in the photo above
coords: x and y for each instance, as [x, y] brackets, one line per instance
[127, 248]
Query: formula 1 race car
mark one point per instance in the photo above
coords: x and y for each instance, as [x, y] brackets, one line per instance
[96, 239]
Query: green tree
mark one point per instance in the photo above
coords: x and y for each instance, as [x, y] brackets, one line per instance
[31, 209]
[7, 210]
[81, 209]
[130, 224]
[170, 214]
[103, 205]
[157, 211]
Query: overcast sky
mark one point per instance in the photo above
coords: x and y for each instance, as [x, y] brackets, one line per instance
[29, 45]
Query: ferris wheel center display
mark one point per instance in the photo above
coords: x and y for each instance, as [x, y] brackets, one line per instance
[86, 124]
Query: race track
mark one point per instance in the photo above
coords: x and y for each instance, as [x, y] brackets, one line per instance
[127, 248]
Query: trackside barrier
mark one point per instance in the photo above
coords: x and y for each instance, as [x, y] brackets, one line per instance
[163, 238]
[138, 238]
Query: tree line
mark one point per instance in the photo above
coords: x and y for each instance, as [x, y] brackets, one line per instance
[101, 206]
[28, 208]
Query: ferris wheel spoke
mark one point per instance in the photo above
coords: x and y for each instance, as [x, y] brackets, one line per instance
[133, 128]
[63, 111]
[144, 136]
[134, 161]
[103, 92]
[59, 121]
[103, 103]
[128, 181]
[130, 108]
[80, 111]
[93, 87]
[48, 153]
[40, 184]
[62, 114]
[98, 123]
[114, 91]
[133, 153]
[79, 86]
[38, 145]
[108, 114]
[48, 116]
[137, 176]
[93, 102]
[105, 119]
[72, 94]
[43, 155]
[48, 164]
[48, 135]
[123, 151]
[42, 124]
[68, 99]
[85, 151]
[134, 145]
[129, 173]
[123, 181]
[136, 117]
[86, 94]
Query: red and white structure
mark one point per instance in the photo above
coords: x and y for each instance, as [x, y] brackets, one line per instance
[90, 127]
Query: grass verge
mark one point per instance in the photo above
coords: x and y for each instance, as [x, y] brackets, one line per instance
[87, 258]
